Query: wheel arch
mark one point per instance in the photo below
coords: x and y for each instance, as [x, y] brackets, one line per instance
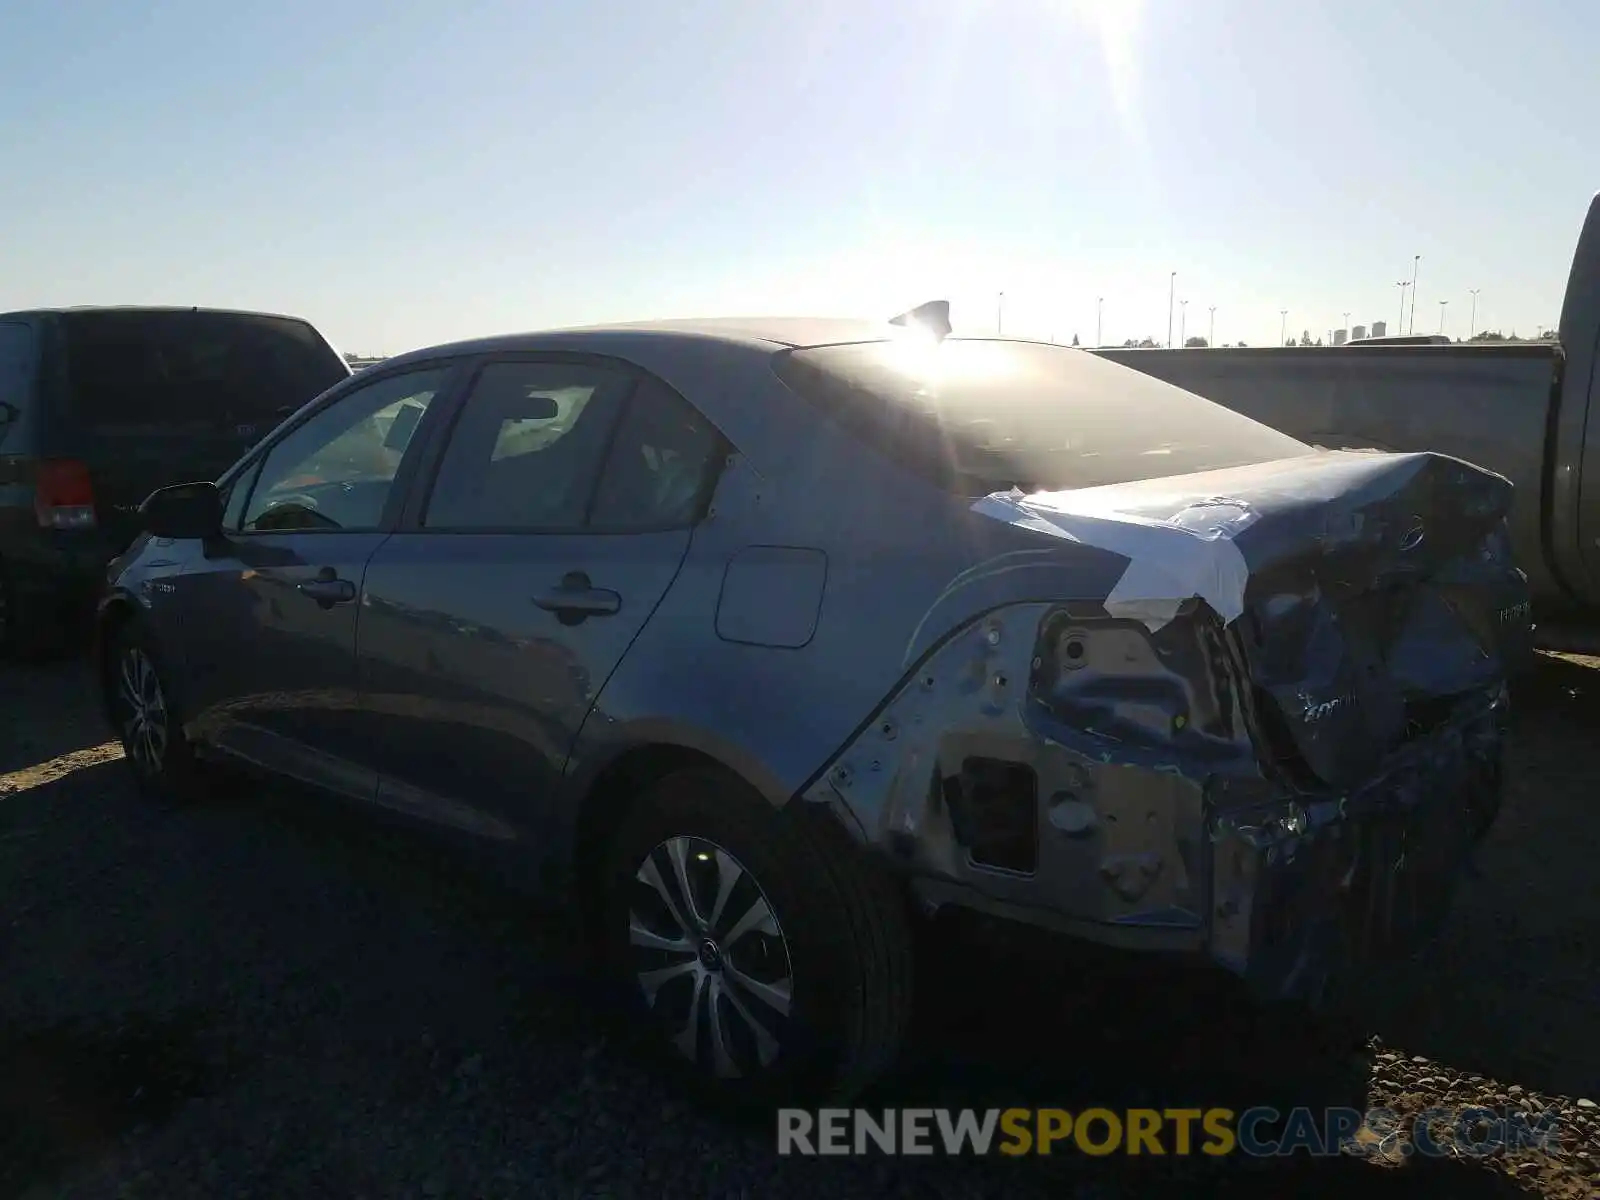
[116, 612]
[605, 798]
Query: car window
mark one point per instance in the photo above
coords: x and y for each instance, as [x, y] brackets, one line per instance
[16, 375]
[235, 496]
[527, 448]
[16, 364]
[661, 463]
[180, 370]
[335, 470]
[986, 415]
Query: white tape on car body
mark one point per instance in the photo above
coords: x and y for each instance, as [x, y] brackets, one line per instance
[1189, 554]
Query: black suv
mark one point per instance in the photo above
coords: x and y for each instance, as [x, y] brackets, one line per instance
[101, 406]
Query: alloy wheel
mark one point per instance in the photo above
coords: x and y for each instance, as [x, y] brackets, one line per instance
[710, 957]
[144, 711]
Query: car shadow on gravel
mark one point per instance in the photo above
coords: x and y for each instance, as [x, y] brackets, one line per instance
[1510, 989]
[63, 716]
[300, 927]
[1036, 1026]
[69, 1090]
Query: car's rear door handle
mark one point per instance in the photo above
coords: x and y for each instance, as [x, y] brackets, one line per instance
[327, 589]
[576, 599]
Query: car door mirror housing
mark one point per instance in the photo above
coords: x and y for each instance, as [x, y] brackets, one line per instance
[183, 510]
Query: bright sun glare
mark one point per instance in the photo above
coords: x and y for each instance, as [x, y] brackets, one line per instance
[1116, 25]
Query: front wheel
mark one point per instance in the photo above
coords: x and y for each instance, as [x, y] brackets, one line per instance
[759, 952]
[147, 721]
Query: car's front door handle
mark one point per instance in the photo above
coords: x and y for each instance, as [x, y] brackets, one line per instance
[576, 599]
[327, 589]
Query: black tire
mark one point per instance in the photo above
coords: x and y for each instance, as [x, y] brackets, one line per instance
[839, 936]
[144, 712]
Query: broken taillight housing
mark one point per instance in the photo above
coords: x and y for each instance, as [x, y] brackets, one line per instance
[63, 495]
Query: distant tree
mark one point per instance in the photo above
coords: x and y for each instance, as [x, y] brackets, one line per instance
[1242, 345]
[1319, 341]
[1290, 342]
[1196, 343]
[1074, 339]
[1305, 337]
[1141, 344]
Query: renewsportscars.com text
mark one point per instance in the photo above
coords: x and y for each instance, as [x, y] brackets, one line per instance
[1255, 1132]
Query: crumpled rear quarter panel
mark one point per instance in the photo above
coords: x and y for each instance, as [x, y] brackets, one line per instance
[1123, 799]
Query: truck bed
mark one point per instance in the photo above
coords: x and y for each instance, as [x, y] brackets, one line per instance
[1487, 404]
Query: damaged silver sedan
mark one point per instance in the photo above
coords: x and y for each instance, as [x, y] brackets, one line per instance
[758, 639]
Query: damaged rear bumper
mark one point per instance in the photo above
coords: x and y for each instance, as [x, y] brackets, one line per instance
[1145, 821]
[1308, 893]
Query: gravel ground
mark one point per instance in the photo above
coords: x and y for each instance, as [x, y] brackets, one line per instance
[269, 997]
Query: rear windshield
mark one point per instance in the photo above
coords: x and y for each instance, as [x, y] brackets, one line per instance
[982, 416]
[139, 370]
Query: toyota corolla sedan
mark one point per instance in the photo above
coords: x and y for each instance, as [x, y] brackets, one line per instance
[761, 640]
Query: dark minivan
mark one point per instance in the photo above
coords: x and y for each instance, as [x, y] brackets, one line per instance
[101, 406]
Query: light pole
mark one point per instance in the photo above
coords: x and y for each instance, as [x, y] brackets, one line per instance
[1172, 291]
[1283, 326]
[1472, 321]
[1402, 285]
[1416, 265]
[1099, 313]
[1211, 333]
[1000, 312]
[1442, 303]
[1347, 325]
[1183, 322]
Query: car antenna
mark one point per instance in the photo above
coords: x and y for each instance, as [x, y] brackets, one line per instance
[934, 316]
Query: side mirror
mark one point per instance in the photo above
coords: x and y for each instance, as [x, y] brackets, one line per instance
[183, 511]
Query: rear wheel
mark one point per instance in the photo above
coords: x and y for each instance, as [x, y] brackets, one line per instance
[147, 721]
[759, 954]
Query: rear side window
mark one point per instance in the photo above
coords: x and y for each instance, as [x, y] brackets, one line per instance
[980, 416]
[212, 372]
[16, 370]
[663, 460]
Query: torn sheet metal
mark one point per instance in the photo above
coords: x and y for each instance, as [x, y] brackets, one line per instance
[1189, 554]
[1260, 719]
[1081, 773]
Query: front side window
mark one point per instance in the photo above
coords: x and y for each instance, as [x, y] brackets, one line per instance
[527, 449]
[335, 471]
[236, 495]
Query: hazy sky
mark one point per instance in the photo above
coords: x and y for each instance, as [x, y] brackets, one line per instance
[405, 173]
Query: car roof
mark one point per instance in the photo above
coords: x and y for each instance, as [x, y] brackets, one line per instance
[762, 334]
[62, 310]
